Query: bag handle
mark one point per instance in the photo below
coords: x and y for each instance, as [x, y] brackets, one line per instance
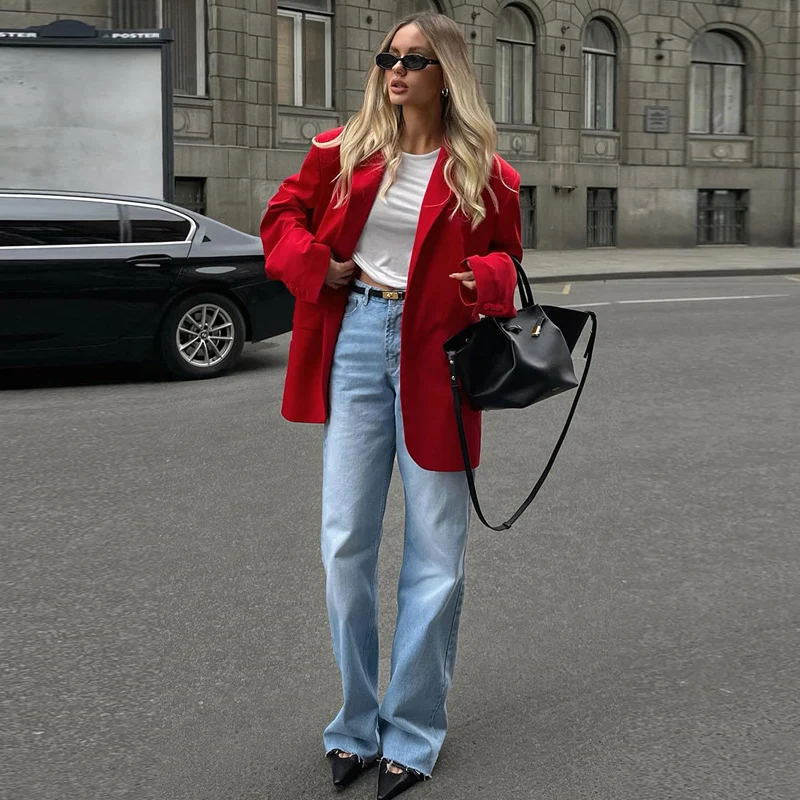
[465, 448]
[523, 284]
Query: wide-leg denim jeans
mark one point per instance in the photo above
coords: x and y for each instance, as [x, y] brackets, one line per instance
[363, 435]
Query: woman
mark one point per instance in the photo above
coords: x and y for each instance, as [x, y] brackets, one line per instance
[394, 235]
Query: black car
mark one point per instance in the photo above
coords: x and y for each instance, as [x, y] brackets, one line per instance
[91, 278]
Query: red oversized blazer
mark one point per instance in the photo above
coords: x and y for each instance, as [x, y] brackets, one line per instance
[302, 231]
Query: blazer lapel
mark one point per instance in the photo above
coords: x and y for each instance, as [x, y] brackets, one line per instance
[366, 182]
[433, 204]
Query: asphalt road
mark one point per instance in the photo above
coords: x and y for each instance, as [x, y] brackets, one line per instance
[635, 637]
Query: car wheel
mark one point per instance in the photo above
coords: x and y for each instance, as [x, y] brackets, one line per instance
[202, 336]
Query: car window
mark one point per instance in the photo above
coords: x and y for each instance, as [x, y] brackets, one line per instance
[149, 224]
[44, 221]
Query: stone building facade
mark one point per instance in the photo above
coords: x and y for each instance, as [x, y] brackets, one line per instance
[633, 123]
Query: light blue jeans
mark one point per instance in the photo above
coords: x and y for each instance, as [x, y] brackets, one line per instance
[363, 434]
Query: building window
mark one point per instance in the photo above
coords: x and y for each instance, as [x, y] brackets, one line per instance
[187, 18]
[305, 53]
[601, 218]
[527, 204]
[722, 216]
[516, 44]
[717, 91]
[599, 76]
[191, 193]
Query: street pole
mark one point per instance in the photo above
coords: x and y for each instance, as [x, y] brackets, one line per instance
[796, 133]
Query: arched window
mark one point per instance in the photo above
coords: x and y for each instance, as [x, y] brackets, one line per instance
[599, 76]
[717, 91]
[516, 41]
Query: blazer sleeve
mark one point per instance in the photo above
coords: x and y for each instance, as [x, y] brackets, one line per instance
[495, 276]
[292, 255]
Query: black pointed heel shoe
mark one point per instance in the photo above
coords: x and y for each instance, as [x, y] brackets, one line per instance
[346, 770]
[392, 784]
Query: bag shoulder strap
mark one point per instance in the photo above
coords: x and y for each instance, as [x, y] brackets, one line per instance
[465, 448]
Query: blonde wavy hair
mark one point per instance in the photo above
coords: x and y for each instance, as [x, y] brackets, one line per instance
[470, 135]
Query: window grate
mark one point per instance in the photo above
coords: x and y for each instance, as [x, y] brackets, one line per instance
[601, 218]
[722, 216]
[191, 193]
[527, 204]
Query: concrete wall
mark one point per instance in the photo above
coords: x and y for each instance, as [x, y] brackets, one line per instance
[244, 144]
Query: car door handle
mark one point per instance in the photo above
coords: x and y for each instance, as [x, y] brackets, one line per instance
[150, 262]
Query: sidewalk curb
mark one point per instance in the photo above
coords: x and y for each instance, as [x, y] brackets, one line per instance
[576, 277]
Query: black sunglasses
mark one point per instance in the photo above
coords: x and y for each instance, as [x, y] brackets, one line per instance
[413, 61]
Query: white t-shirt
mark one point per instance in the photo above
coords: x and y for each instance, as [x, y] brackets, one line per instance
[384, 250]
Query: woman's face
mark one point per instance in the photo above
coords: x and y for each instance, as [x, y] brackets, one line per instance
[413, 87]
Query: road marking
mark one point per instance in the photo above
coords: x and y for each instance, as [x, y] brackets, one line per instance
[795, 278]
[676, 300]
[565, 290]
[696, 299]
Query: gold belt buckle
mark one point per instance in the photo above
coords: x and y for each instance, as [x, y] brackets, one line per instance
[391, 295]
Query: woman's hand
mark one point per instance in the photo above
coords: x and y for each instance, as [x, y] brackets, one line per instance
[466, 278]
[340, 273]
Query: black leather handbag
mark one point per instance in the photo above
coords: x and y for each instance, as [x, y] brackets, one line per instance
[516, 362]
